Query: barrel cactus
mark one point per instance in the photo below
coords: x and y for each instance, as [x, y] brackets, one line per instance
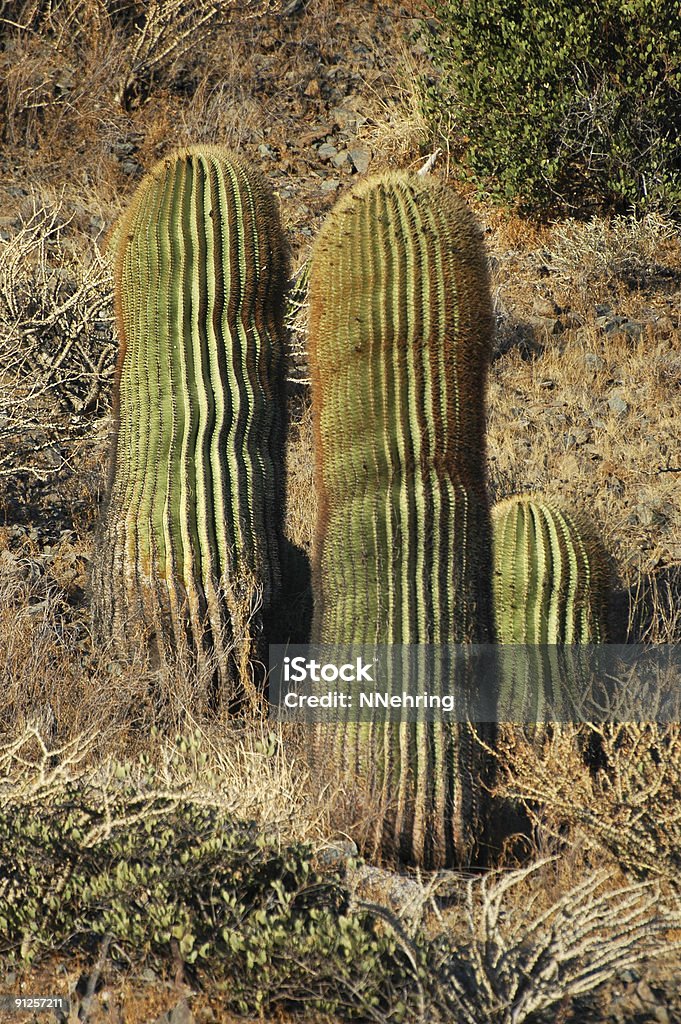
[400, 328]
[191, 537]
[551, 588]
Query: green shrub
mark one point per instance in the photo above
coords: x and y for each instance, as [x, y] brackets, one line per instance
[154, 871]
[563, 103]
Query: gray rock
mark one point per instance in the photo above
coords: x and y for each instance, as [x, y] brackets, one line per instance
[620, 325]
[632, 329]
[327, 152]
[346, 118]
[360, 157]
[266, 152]
[546, 325]
[182, 1014]
[337, 854]
[340, 159]
[617, 405]
[330, 185]
[593, 361]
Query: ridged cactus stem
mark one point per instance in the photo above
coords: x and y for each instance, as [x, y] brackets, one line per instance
[551, 582]
[191, 538]
[400, 342]
[550, 575]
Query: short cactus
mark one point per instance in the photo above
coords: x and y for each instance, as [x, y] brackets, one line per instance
[551, 577]
[400, 341]
[192, 531]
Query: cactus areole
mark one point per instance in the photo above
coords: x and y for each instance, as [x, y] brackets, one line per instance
[400, 343]
[192, 528]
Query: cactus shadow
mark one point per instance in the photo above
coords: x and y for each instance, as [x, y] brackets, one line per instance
[289, 620]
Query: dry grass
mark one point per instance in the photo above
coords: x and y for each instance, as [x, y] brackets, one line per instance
[629, 803]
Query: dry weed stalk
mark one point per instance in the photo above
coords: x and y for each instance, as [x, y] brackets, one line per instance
[631, 805]
[521, 957]
[137, 42]
[252, 777]
[171, 30]
[609, 248]
[55, 316]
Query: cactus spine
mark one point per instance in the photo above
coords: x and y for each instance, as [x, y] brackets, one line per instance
[192, 529]
[400, 339]
[551, 579]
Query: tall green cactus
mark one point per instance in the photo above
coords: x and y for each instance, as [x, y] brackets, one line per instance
[551, 577]
[191, 536]
[400, 341]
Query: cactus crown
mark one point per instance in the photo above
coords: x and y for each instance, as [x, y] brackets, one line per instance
[196, 487]
[550, 575]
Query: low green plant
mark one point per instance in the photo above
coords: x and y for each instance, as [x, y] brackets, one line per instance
[114, 858]
[562, 102]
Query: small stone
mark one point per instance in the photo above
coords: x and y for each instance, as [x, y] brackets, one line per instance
[327, 152]
[617, 405]
[360, 157]
[632, 329]
[613, 324]
[644, 992]
[330, 185]
[546, 325]
[642, 515]
[336, 854]
[340, 159]
[661, 1014]
[96, 226]
[317, 131]
[182, 1014]
[594, 361]
[266, 152]
[346, 118]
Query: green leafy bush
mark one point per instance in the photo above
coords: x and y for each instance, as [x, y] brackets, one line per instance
[563, 103]
[157, 874]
